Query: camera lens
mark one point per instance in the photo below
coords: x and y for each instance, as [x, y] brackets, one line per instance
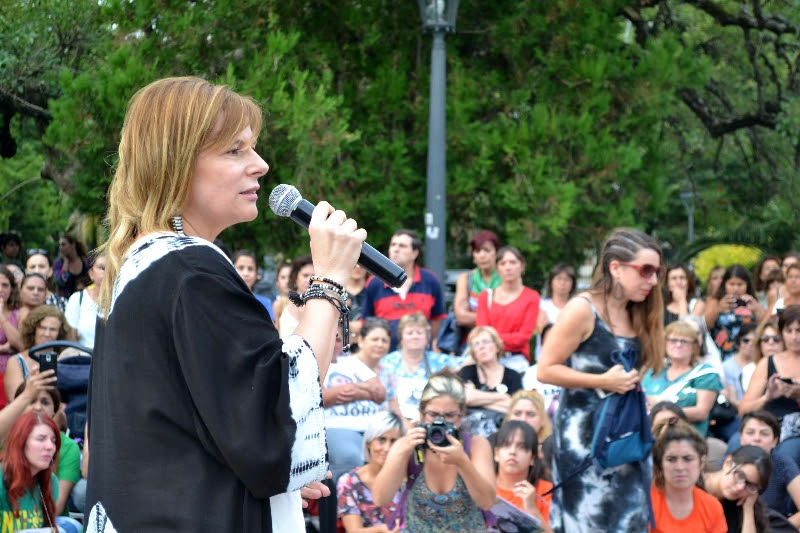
[437, 436]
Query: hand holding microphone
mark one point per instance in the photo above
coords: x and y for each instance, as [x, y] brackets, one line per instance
[333, 236]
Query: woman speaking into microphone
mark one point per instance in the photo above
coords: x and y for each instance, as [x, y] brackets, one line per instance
[201, 418]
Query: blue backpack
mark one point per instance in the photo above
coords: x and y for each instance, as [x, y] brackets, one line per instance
[621, 430]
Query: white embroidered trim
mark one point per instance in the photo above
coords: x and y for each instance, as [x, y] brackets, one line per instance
[149, 249]
[309, 462]
[99, 522]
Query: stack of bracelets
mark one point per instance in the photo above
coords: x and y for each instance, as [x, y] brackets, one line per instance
[327, 289]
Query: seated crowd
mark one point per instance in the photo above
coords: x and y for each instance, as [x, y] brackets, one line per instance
[420, 439]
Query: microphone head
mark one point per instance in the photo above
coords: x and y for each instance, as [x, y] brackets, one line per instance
[282, 198]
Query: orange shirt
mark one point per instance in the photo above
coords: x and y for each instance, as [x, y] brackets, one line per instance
[542, 502]
[706, 516]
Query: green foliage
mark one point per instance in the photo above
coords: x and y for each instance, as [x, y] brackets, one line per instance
[564, 119]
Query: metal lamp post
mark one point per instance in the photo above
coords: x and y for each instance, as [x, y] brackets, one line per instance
[438, 16]
[688, 203]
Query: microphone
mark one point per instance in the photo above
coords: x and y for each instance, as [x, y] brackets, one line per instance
[285, 201]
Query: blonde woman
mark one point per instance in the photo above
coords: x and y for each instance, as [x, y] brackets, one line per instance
[489, 384]
[452, 486]
[528, 406]
[189, 367]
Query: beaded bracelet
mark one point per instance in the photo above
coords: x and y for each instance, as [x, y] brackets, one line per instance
[315, 289]
[344, 313]
[337, 286]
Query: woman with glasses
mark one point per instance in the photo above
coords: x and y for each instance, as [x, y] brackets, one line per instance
[600, 344]
[489, 384]
[732, 305]
[744, 475]
[679, 502]
[450, 483]
[686, 381]
[38, 262]
[775, 385]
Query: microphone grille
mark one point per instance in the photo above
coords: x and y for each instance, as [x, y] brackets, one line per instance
[282, 198]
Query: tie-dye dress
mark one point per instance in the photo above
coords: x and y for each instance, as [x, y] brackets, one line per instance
[615, 499]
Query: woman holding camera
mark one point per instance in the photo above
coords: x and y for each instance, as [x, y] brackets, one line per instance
[733, 304]
[450, 475]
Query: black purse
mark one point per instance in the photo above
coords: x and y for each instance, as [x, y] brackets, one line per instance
[723, 411]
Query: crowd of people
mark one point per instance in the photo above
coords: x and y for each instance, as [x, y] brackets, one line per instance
[511, 407]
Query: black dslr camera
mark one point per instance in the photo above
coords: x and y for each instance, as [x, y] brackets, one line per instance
[438, 431]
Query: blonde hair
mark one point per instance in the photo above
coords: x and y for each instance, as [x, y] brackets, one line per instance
[684, 329]
[647, 317]
[168, 123]
[537, 400]
[474, 332]
[444, 383]
[414, 319]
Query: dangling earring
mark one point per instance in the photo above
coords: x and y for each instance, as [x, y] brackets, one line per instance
[177, 225]
[618, 291]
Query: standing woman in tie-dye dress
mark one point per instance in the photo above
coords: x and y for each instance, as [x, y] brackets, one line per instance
[620, 316]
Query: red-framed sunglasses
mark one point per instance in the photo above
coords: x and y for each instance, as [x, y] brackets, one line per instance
[647, 271]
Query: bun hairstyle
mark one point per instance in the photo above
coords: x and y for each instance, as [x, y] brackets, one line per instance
[674, 430]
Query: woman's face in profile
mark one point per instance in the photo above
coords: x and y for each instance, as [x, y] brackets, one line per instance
[224, 187]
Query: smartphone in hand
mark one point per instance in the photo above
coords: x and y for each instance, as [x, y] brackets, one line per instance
[48, 361]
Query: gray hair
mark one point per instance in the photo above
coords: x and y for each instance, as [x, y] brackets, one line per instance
[379, 424]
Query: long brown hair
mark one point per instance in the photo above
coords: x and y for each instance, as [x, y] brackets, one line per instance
[166, 126]
[647, 316]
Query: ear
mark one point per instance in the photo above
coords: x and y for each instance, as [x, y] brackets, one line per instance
[702, 463]
[496, 458]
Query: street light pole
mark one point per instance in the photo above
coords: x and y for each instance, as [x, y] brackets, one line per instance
[688, 203]
[439, 17]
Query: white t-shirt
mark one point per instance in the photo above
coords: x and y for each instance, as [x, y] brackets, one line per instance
[353, 415]
[81, 314]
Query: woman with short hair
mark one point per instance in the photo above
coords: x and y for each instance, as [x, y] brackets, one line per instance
[452, 479]
[358, 512]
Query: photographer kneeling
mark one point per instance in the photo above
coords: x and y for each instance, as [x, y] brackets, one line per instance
[450, 473]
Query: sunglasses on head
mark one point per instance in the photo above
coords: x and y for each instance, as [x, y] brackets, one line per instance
[35, 251]
[647, 271]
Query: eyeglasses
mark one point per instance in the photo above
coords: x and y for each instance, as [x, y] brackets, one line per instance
[647, 271]
[742, 481]
[682, 342]
[35, 251]
[770, 338]
[746, 340]
[450, 416]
